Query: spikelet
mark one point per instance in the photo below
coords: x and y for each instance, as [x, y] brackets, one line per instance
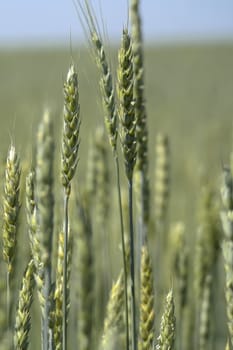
[70, 138]
[23, 323]
[126, 104]
[114, 320]
[11, 207]
[147, 315]
[166, 338]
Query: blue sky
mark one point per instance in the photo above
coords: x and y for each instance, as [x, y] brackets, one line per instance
[28, 21]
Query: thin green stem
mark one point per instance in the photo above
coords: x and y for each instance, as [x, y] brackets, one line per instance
[8, 297]
[64, 303]
[132, 273]
[123, 252]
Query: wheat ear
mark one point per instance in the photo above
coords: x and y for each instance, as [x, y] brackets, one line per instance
[114, 320]
[147, 314]
[70, 147]
[11, 206]
[166, 338]
[22, 323]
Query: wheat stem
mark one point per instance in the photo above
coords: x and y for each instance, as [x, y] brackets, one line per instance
[64, 304]
[132, 264]
[123, 252]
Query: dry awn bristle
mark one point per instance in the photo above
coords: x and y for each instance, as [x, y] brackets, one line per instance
[70, 139]
[11, 207]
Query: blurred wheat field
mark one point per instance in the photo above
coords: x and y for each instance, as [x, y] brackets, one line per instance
[188, 91]
[188, 95]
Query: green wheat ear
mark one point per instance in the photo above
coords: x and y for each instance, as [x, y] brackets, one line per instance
[23, 320]
[71, 127]
[114, 320]
[166, 338]
[11, 206]
[147, 314]
[126, 104]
